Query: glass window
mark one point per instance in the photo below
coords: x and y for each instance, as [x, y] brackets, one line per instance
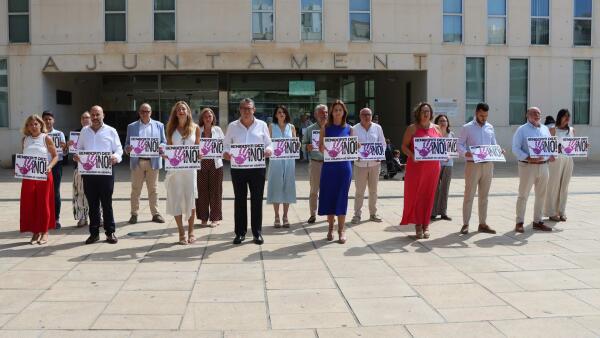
[518, 91]
[262, 19]
[540, 22]
[360, 20]
[475, 85]
[3, 93]
[164, 20]
[18, 21]
[497, 22]
[453, 13]
[311, 19]
[582, 70]
[115, 20]
[582, 29]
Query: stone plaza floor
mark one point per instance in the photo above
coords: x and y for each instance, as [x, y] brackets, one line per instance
[381, 283]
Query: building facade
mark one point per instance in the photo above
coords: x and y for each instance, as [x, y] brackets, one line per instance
[66, 55]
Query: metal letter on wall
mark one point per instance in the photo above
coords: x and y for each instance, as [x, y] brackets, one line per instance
[339, 59]
[255, 62]
[95, 64]
[174, 63]
[50, 64]
[123, 58]
[383, 63]
[298, 65]
[212, 57]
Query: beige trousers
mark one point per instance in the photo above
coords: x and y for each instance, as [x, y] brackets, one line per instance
[558, 186]
[532, 175]
[314, 174]
[364, 176]
[144, 172]
[478, 178]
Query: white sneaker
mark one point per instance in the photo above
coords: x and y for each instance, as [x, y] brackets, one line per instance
[355, 219]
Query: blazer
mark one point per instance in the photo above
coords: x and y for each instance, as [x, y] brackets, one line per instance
[216, 132]
[157, 130]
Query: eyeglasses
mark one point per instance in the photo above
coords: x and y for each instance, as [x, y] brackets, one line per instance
[145, 111]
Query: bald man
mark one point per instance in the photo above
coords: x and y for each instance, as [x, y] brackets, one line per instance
[532, 171]
[99, 188]
[145, 168]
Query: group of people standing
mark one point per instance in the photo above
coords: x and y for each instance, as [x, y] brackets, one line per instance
[198, 193]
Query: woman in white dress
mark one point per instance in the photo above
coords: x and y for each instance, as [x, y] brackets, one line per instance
[181, 184]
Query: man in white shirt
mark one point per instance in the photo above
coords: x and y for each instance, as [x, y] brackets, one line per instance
[478, 176]
[60, 142]
[533, 171]
[145, 168]
[99, 188]
[247, 130]
[366, 172]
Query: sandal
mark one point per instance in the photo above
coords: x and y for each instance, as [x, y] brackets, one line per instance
[419, 232]
[277, 223]
[330, 233]
[342, 235]
[34, 239]
[214, 224]
[286, 223]
[425, 232]
[191, 238]
[43, 239]
[182, 240]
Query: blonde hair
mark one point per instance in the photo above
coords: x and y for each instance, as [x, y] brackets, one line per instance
[190, 126]
[31, 118]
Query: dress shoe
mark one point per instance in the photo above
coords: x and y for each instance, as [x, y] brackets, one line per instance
[259, 240]
[57, 225]
[239, 239]
[446, 218]
[158, 219]
[355, 219]
[541, 226]
[486, 229]
[111, 238]
[554, 218]
[465, 229]
[92, 239]
[375, 218]
[519, 228]
[311, 219]
[563, 218]
[132, 219]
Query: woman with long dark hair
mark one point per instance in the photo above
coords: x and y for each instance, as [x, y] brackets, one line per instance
[335, 176]
[440, 204]
[560, 171]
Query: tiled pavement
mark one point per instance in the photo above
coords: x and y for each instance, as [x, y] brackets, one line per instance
[381, 283]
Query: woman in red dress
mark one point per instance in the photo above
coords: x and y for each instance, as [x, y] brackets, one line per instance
[421, 178]
[37, 197]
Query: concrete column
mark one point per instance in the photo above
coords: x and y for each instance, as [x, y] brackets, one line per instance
[223, 109]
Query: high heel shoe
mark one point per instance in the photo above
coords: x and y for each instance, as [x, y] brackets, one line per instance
[34, 239]
[330, 233]
[426, 232]
[43, 239]
[182, 240]
[419, 231]
[277, 223]
[342, 238]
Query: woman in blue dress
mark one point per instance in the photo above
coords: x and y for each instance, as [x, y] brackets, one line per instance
[282, 173]
[335, 176]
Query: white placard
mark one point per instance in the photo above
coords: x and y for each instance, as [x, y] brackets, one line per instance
[487, 153]
[56, 139]
[340, 149]
[247, 156]
[314, 139]
[574, 146]
[94, 163]
[285, 148]
[144, 146]
[182, 157]
[371, 151]
[74, 136]
[211, 148]
[542, 146]
[430, 149]
[452, 147]
[31, 167]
